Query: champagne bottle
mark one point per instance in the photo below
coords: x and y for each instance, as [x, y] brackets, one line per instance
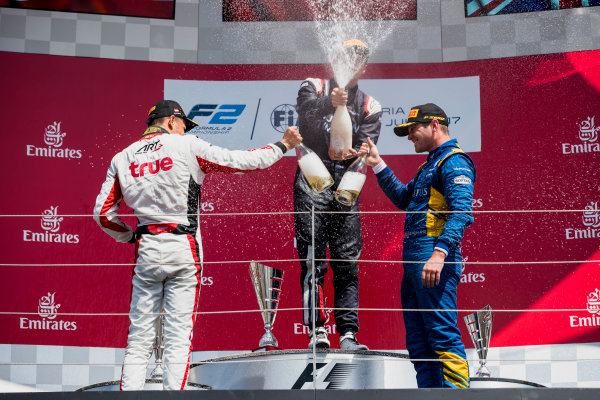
[340, 136]
[313, 169]
[352, 182]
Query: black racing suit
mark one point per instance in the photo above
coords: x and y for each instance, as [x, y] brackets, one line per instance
[341, 232]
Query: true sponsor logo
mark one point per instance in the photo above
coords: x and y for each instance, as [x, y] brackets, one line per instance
[153, 167]
[48, 311]
[588, 134]
[593, 308]
[53, 139]
[51, 225]
[284, 116]
[591, 223]
[471, 277]
[215, 118]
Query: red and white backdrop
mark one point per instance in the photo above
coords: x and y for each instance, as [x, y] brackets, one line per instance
[531, 124]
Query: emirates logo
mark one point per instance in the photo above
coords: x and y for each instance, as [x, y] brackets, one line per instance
[591, 215]
[47, 308]
[53, 136]
[53, 141]
[50, 220]
[588, 132]
[593, 302]
[48, 311]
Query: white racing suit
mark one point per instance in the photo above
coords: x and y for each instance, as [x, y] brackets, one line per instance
[160, 177]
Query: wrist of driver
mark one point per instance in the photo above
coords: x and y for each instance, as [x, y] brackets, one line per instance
[442, 247]
[379, 167]
[282, 146]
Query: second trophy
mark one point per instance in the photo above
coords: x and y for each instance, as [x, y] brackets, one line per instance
[267, 286]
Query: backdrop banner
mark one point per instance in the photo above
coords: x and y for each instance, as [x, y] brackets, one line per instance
[531, 125]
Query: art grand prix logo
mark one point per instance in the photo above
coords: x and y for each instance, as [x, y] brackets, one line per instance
[53, 139]
[591, 221]
[51, 225]
[593, 308]
[588, 134]
[284, 116]
[48, 311]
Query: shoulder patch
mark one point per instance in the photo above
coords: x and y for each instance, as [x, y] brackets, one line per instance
[372, 106]
[462, 180]
[316, 82]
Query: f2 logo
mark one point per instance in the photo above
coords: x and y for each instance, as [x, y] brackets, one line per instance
[227, 114]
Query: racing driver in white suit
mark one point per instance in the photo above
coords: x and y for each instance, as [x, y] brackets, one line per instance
[159, 177]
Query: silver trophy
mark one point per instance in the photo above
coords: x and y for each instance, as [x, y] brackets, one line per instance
[480, 328]
[159, 347]
[267, 285]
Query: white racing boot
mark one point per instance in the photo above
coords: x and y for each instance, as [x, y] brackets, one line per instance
[319, 339]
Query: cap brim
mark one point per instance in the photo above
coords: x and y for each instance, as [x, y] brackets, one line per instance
[189, 124]
[402, 130]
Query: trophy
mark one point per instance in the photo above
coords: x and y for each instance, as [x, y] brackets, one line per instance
[159, 347]
[480, 328]
[267, 285]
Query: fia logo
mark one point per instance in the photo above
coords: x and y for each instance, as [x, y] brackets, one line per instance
[588, 132]
[53, 136]
[591, 215]
[46, 306]
[593, 302]
[50, 220]
[284, 116]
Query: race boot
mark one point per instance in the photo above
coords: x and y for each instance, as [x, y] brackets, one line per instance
[319, 339]
[348, 342]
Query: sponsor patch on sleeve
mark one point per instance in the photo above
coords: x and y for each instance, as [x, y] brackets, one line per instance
[462, 180]
[372, 106]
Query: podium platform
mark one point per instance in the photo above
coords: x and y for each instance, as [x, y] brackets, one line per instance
[335, 369]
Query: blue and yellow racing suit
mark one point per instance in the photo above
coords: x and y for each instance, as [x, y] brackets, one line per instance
[443, 183]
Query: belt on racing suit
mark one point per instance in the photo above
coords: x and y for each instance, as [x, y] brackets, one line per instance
[157, 229]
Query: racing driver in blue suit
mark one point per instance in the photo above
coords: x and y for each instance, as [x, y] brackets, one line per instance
[438, 200]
